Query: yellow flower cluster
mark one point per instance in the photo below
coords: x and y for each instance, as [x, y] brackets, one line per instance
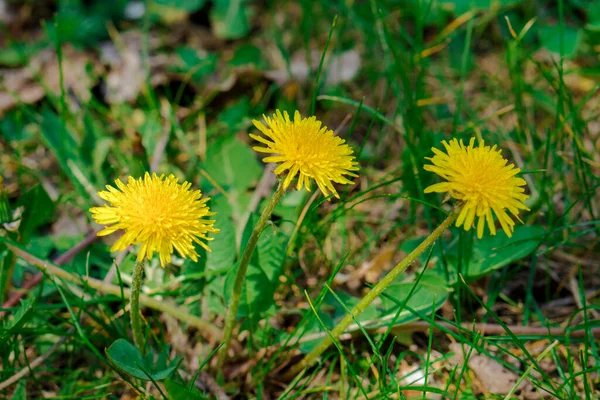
[480, 179]
[158, 213]
[162, 215]
[305, 148]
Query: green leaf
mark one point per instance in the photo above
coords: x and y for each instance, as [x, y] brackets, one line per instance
[262, 277]
[222, 254]
[257, 293]
[194, 64]
[229, 19]
[177, 391]
[128, 359]
[459, 7]
[61, 142]
[593, 12]
[550, 38]
[185, 5]
[430, 294]
[21, 391]
[494, 252]
[23, 314]
[431, 291]
[39, 210]
[270, 252]
[233, 164]
[235, 115]
[100, 152]
[151, 132]
[16, 54]
[248, 55]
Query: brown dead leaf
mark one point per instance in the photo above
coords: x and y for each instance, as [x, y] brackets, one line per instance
[31, 83]
[19, 87]
[68, 225]
[338, 68]
[77, 80]
[414, 375]
[125, 79]
[7, 15]
[370, 271]
[492, 376]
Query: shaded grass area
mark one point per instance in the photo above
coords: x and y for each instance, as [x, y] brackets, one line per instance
[106, 96]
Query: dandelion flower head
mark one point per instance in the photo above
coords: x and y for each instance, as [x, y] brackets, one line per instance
[158, 213]
[306, 148]
[480, 179]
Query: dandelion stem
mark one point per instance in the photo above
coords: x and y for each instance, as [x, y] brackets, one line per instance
[136, 321]
[234, 301]
[370, 296]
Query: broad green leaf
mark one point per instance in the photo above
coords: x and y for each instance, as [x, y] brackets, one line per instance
[195, 65]
[431, 291]
[233, 164]
[430, 294]
[257, 293]
[248, 55]
[127, 358]
[494, 252]
[17, 53]
[6, 273]
[262, 277]
[222, 254]
[23, 314]
[185, 5]
[39, 210]
[151, 132]
[459, 7]
[550, 38]
[61, 141]
[21, 390]
[593, 12]
[247, 232]
[80, 25]
[177, 391]
[100, 152]
[235, 116]
[229, 19]
[270, 253]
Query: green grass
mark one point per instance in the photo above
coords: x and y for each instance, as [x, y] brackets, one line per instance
[422, 79]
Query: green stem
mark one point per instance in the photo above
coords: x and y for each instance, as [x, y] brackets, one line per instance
[370, 296]
[234, 301]
[136, 321]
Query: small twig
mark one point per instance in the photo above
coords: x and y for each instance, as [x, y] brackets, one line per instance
[496, 329]
[60, 260]
[482, 328]
[575, 259]
[35, 363]
[567, 301]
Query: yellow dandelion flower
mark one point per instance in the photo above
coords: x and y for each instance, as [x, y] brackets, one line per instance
[306, 148]
[481, 180]
[157, 213]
